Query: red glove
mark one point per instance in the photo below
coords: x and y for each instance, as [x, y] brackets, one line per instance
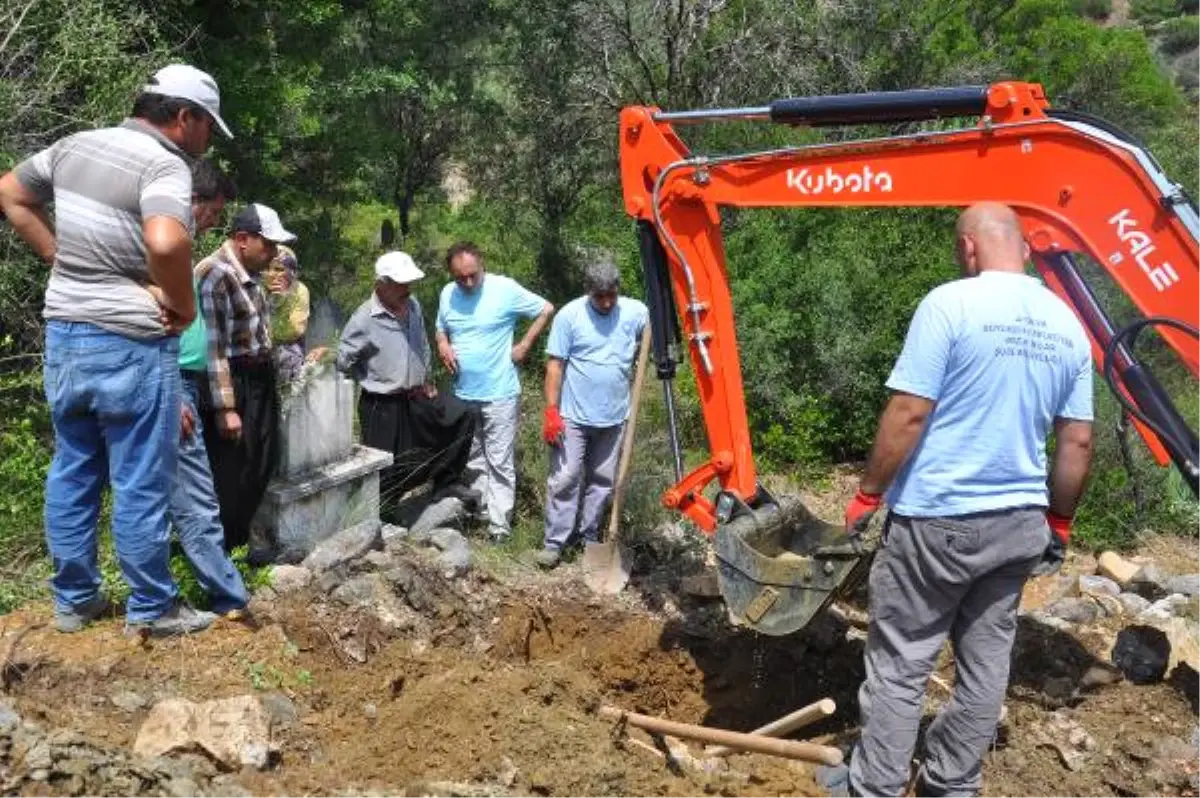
[860, 509]
[1060, 525]
[553, 426]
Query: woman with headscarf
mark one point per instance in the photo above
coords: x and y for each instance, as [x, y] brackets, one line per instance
[289, 314]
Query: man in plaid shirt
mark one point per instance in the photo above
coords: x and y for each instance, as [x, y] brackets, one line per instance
[240, 402]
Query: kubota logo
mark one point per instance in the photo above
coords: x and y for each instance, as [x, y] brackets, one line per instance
[1141, 247]
[863, 181]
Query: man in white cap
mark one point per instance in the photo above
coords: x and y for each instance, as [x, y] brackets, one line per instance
[239, 400]
[120, 291]
[386, 349]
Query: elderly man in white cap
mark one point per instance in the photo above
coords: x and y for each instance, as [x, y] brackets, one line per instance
[239, 401]
[120, 291]
[386, 349]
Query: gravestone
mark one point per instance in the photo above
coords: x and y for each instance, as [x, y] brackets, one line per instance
[326, 483]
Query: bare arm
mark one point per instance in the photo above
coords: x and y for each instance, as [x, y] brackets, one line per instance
[446, 352]
[169, 259]
[899, 429]
[27, 216]
[1072, 458]
[554, 376]
[536, 327]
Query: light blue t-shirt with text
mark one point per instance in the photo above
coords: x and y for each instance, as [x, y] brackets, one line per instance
[1002, 357]
[598, 351]
[480, 326]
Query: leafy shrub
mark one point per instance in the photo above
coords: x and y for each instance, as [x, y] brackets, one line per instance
[1151, 11]
[1179, 35]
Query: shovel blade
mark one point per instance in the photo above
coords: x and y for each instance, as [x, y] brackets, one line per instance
[605, 569]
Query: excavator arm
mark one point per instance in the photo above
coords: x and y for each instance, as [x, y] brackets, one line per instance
[1079, 186]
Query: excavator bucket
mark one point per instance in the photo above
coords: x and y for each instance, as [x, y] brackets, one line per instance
[779, 567]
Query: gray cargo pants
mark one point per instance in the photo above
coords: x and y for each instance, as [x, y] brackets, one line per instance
[934, 578]
[585, 462]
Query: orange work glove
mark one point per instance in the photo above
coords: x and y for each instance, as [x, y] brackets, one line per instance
[859, 512]
[1056, 550]
[553, 426]
[1060, 525]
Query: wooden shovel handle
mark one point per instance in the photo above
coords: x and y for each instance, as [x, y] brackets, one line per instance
[808, 752]
[639, 377]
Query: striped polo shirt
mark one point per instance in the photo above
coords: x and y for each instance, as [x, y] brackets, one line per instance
[104, 184]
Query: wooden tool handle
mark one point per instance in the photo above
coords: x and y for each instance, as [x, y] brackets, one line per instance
[808, 752]
[639, 377]
[785, 725]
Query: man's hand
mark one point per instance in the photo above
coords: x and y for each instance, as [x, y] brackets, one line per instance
[520, 352]
[1056, 550]
[447, 356]
[316, 354]
[430, 390]
[187, 422]
[553, 426]
[167, 317]
[229, 424]
[859, 512]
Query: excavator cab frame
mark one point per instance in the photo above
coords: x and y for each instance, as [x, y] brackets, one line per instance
[1079, 186]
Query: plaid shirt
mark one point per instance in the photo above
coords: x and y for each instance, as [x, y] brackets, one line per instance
[235, 312]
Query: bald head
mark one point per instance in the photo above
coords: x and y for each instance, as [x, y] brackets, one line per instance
[988, 238]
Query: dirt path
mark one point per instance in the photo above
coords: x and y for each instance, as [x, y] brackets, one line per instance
[500, 697]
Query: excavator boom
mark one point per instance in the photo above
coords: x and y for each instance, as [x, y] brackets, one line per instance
[1079, 186]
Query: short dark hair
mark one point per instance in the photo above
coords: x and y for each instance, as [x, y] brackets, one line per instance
[463, 248]
[158, 109]
[209, 182]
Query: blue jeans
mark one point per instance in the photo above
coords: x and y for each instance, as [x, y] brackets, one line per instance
[197, 518]
[114, 403]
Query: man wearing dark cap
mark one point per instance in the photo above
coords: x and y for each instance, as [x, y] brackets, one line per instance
[120, 291]
[239, 400]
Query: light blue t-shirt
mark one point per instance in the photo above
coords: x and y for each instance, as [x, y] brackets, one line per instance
[480, 326]
[598, 350]
[1002, 357]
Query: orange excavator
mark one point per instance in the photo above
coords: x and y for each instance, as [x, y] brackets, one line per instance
[1080, 187]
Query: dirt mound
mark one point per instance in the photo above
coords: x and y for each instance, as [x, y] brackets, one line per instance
[392, 677]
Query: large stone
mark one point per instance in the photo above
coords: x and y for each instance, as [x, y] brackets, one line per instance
[455, 560]
[359, 591]
[444, 512]
[1074, 610]
[1133, 604]
[1098, 586]
[290, 578]
[344, 547]
[1150, 582]
[1184, 638]
[1164, 609]
[236, 732]
[1117, 568]
[445, 538]
[1185, 584]
[1142, 654]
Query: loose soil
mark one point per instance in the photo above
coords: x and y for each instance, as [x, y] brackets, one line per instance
[496, 693]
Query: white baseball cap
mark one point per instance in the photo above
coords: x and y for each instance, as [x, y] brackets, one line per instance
[188, 83]
[259, 219]
[398, 267]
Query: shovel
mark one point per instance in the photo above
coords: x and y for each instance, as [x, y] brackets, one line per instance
[605, 568]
